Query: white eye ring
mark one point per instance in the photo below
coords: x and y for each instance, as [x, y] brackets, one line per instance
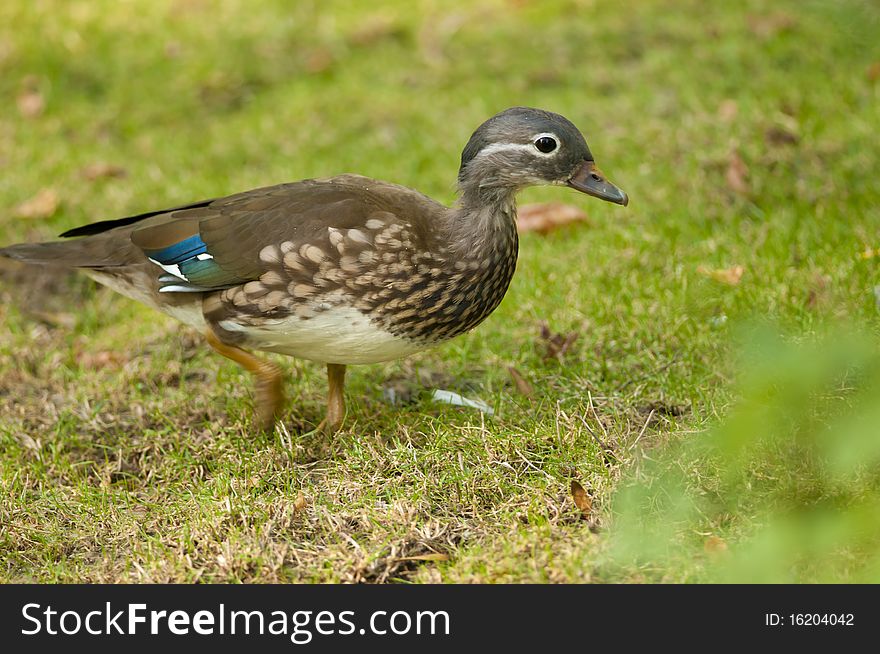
[546, 143]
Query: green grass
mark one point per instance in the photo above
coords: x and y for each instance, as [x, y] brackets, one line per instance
[127, 450]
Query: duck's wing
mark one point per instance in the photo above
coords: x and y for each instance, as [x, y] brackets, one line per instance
[229, 241]
[225, 243]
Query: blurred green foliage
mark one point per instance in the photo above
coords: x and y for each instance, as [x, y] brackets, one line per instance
[792, 474]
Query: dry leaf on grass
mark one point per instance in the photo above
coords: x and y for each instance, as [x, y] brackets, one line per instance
[43, 205]
[737, 174]
[714, 545]
[101, 170]
[522, 385]
[582, 500]
[300, 502]
[873, 72]
[544, 217]
[729, 276]
[557, 345]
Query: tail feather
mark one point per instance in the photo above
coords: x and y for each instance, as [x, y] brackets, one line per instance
[83, 253]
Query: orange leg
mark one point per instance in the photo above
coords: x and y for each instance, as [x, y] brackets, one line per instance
[335, 398]
[270, 397]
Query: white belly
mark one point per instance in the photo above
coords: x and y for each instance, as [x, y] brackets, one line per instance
[339, 335]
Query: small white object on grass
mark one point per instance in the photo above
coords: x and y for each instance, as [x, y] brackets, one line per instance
[455, 399]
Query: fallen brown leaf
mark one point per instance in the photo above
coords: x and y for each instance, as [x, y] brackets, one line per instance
[582, 500]
[522, 385]
[729, 276]
[42, 205]
[544, 217]
[101, 169]
[873, 72]
[557, 345]
[714, 545]
[300, 502]
[737, 174]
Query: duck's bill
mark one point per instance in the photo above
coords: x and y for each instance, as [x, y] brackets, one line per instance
[590, 180]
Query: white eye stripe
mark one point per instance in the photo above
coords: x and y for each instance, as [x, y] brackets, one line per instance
[528, 147]
[503, 147]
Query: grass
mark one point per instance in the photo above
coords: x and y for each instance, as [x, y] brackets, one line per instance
[127, 450]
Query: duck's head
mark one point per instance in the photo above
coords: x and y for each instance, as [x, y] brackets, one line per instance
[526, 147]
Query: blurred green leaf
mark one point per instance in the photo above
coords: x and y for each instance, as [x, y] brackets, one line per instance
[790, 476]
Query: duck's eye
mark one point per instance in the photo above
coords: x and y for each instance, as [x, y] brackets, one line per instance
[545, 144]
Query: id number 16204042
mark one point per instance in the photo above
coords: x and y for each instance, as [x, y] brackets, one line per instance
[809, 619]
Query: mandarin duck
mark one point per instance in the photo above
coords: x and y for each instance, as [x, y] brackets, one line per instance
[344, 270]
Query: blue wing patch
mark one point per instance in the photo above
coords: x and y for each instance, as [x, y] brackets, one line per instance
[190, 267]
[179, 252]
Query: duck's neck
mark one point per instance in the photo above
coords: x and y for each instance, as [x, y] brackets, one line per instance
[483, 222]
[478, 255]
